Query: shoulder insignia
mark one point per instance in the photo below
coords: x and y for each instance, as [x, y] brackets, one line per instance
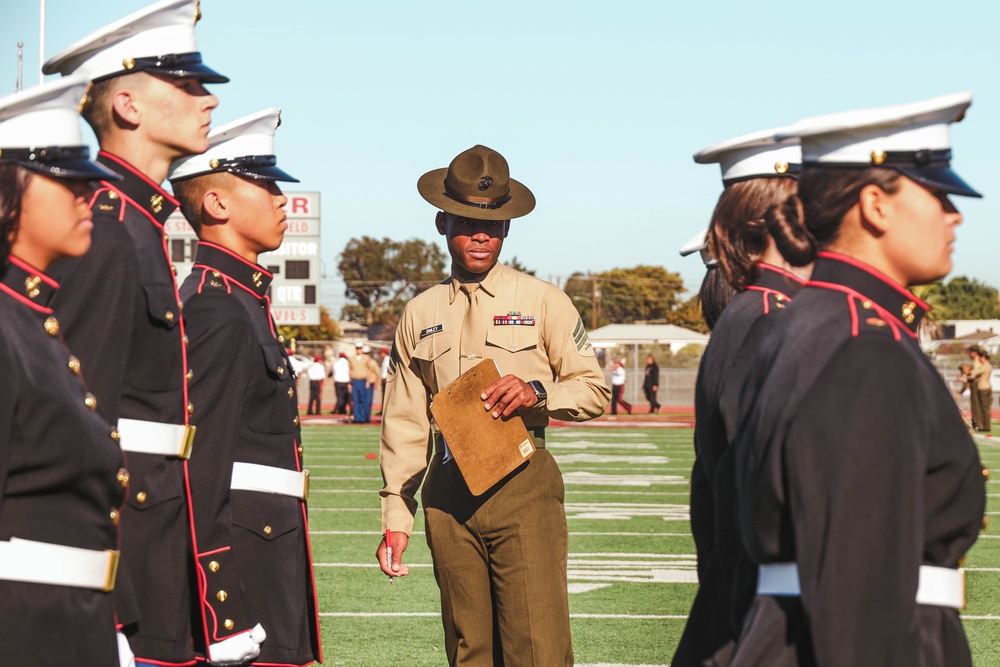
[393, 362]
[580, 337]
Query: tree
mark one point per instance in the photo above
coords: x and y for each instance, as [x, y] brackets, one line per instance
[381, 275]
[963, 298]
[688, 315]
[641, 293]
[517, 266]
[327, 329]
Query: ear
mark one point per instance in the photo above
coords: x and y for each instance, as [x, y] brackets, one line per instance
[875, 207]
[124, 105]
[439, 221]
[214, 204]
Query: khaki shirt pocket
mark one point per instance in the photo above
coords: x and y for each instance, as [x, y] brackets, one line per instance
[512, 338]
[433, 346]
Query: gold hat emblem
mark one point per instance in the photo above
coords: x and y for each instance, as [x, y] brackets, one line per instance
[31, 286]
[257, 278]
[128, 63]
[197, 11]
[156, 203]
[908, 309]
[878, 157]
[85, 100]
[781, 167]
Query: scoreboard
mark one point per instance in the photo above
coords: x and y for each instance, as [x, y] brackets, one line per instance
[294, 291]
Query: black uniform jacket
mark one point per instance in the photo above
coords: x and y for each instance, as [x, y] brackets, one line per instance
[120, 312]
[61, 477]
[854, 462]
[714, 621]
[253, 546]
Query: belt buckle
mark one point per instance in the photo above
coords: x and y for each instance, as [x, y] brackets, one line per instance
[305, 483]
[188, 442]
[961, 574]
[112, 574]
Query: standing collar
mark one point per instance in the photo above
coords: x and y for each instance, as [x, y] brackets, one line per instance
[488, 284]
[251, 276]
[836, 271]
[143, 193]
[28, 285]
[778, 280]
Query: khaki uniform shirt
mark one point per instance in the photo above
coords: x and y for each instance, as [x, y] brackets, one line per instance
[359, 366]
[982, 369]
[532, 331]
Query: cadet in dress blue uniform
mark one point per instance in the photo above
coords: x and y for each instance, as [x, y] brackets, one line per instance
[62, 481]
[859, 486]
[248, 487]
[757, 172]
[120, 307]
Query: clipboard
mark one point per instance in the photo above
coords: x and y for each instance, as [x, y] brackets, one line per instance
[485, 449]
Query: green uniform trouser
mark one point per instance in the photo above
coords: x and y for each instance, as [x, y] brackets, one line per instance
[984, 400]
[500, 562]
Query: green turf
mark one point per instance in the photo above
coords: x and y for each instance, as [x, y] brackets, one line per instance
[621, 533]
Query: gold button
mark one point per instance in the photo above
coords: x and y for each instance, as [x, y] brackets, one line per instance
[867, 305]
[128, 63]
[169, 316]
[140, 497]
[165, 238]
[115, 435]
[878, 157]
[301, 450]
[986, 474]
[123, 477]
[213, 163]
[180, 305]
[112, 195]
[114, 517]
[74, 365]
[221, 596]
[229, 625]
[986, 522]
[90, 401]
[291, 393]
[216, 274]
[190, 408]
[296, 420]
[214, 566]
[281, 371]
[190, 375]
[185, 340]
[51, 326]
[173, 269]
[268, 530]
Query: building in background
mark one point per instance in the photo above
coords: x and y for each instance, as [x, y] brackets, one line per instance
[294, 292]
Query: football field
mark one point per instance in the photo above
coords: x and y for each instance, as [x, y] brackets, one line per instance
[631, 556]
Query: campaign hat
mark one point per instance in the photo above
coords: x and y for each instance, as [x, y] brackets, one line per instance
[40, 130]
[477, 185]
[913, 139]
[157, 39]
[244, 147]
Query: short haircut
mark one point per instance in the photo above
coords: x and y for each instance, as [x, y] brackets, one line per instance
[191, 191]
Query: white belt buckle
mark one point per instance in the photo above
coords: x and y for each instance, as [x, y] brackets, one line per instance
[58, 564]
[941, 586]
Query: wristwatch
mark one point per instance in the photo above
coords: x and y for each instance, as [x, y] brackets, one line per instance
[540, 394]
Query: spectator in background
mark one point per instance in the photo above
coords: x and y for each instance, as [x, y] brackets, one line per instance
[385, 370]
[981, 389]
[342, 384]
[651, 384]
[618, 387]
[316, 373]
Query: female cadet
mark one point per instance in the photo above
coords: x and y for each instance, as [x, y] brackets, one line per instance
[860, 489]
[61, 471]
[757, 171]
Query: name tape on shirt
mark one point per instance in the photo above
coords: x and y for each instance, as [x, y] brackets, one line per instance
[437, 328]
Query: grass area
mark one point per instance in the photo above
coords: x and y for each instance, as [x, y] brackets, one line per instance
[630, 552]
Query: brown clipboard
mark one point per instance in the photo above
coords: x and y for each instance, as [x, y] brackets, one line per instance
[485, 449]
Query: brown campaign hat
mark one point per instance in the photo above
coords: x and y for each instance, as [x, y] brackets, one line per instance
[477, 184]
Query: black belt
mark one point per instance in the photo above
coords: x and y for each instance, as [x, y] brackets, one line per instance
[536, 434]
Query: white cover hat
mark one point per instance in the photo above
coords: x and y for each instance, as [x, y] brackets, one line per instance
[914, 139]
[699, 243]
[756, 155]
[244, 147]
[159, 38]
[40, 130]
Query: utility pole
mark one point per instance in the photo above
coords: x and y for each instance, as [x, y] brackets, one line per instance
[20, 66]
[41, 41]
[595, 302]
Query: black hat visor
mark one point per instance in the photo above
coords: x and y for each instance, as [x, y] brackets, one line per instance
[942, 179]
[59, 162]
[175, 64]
